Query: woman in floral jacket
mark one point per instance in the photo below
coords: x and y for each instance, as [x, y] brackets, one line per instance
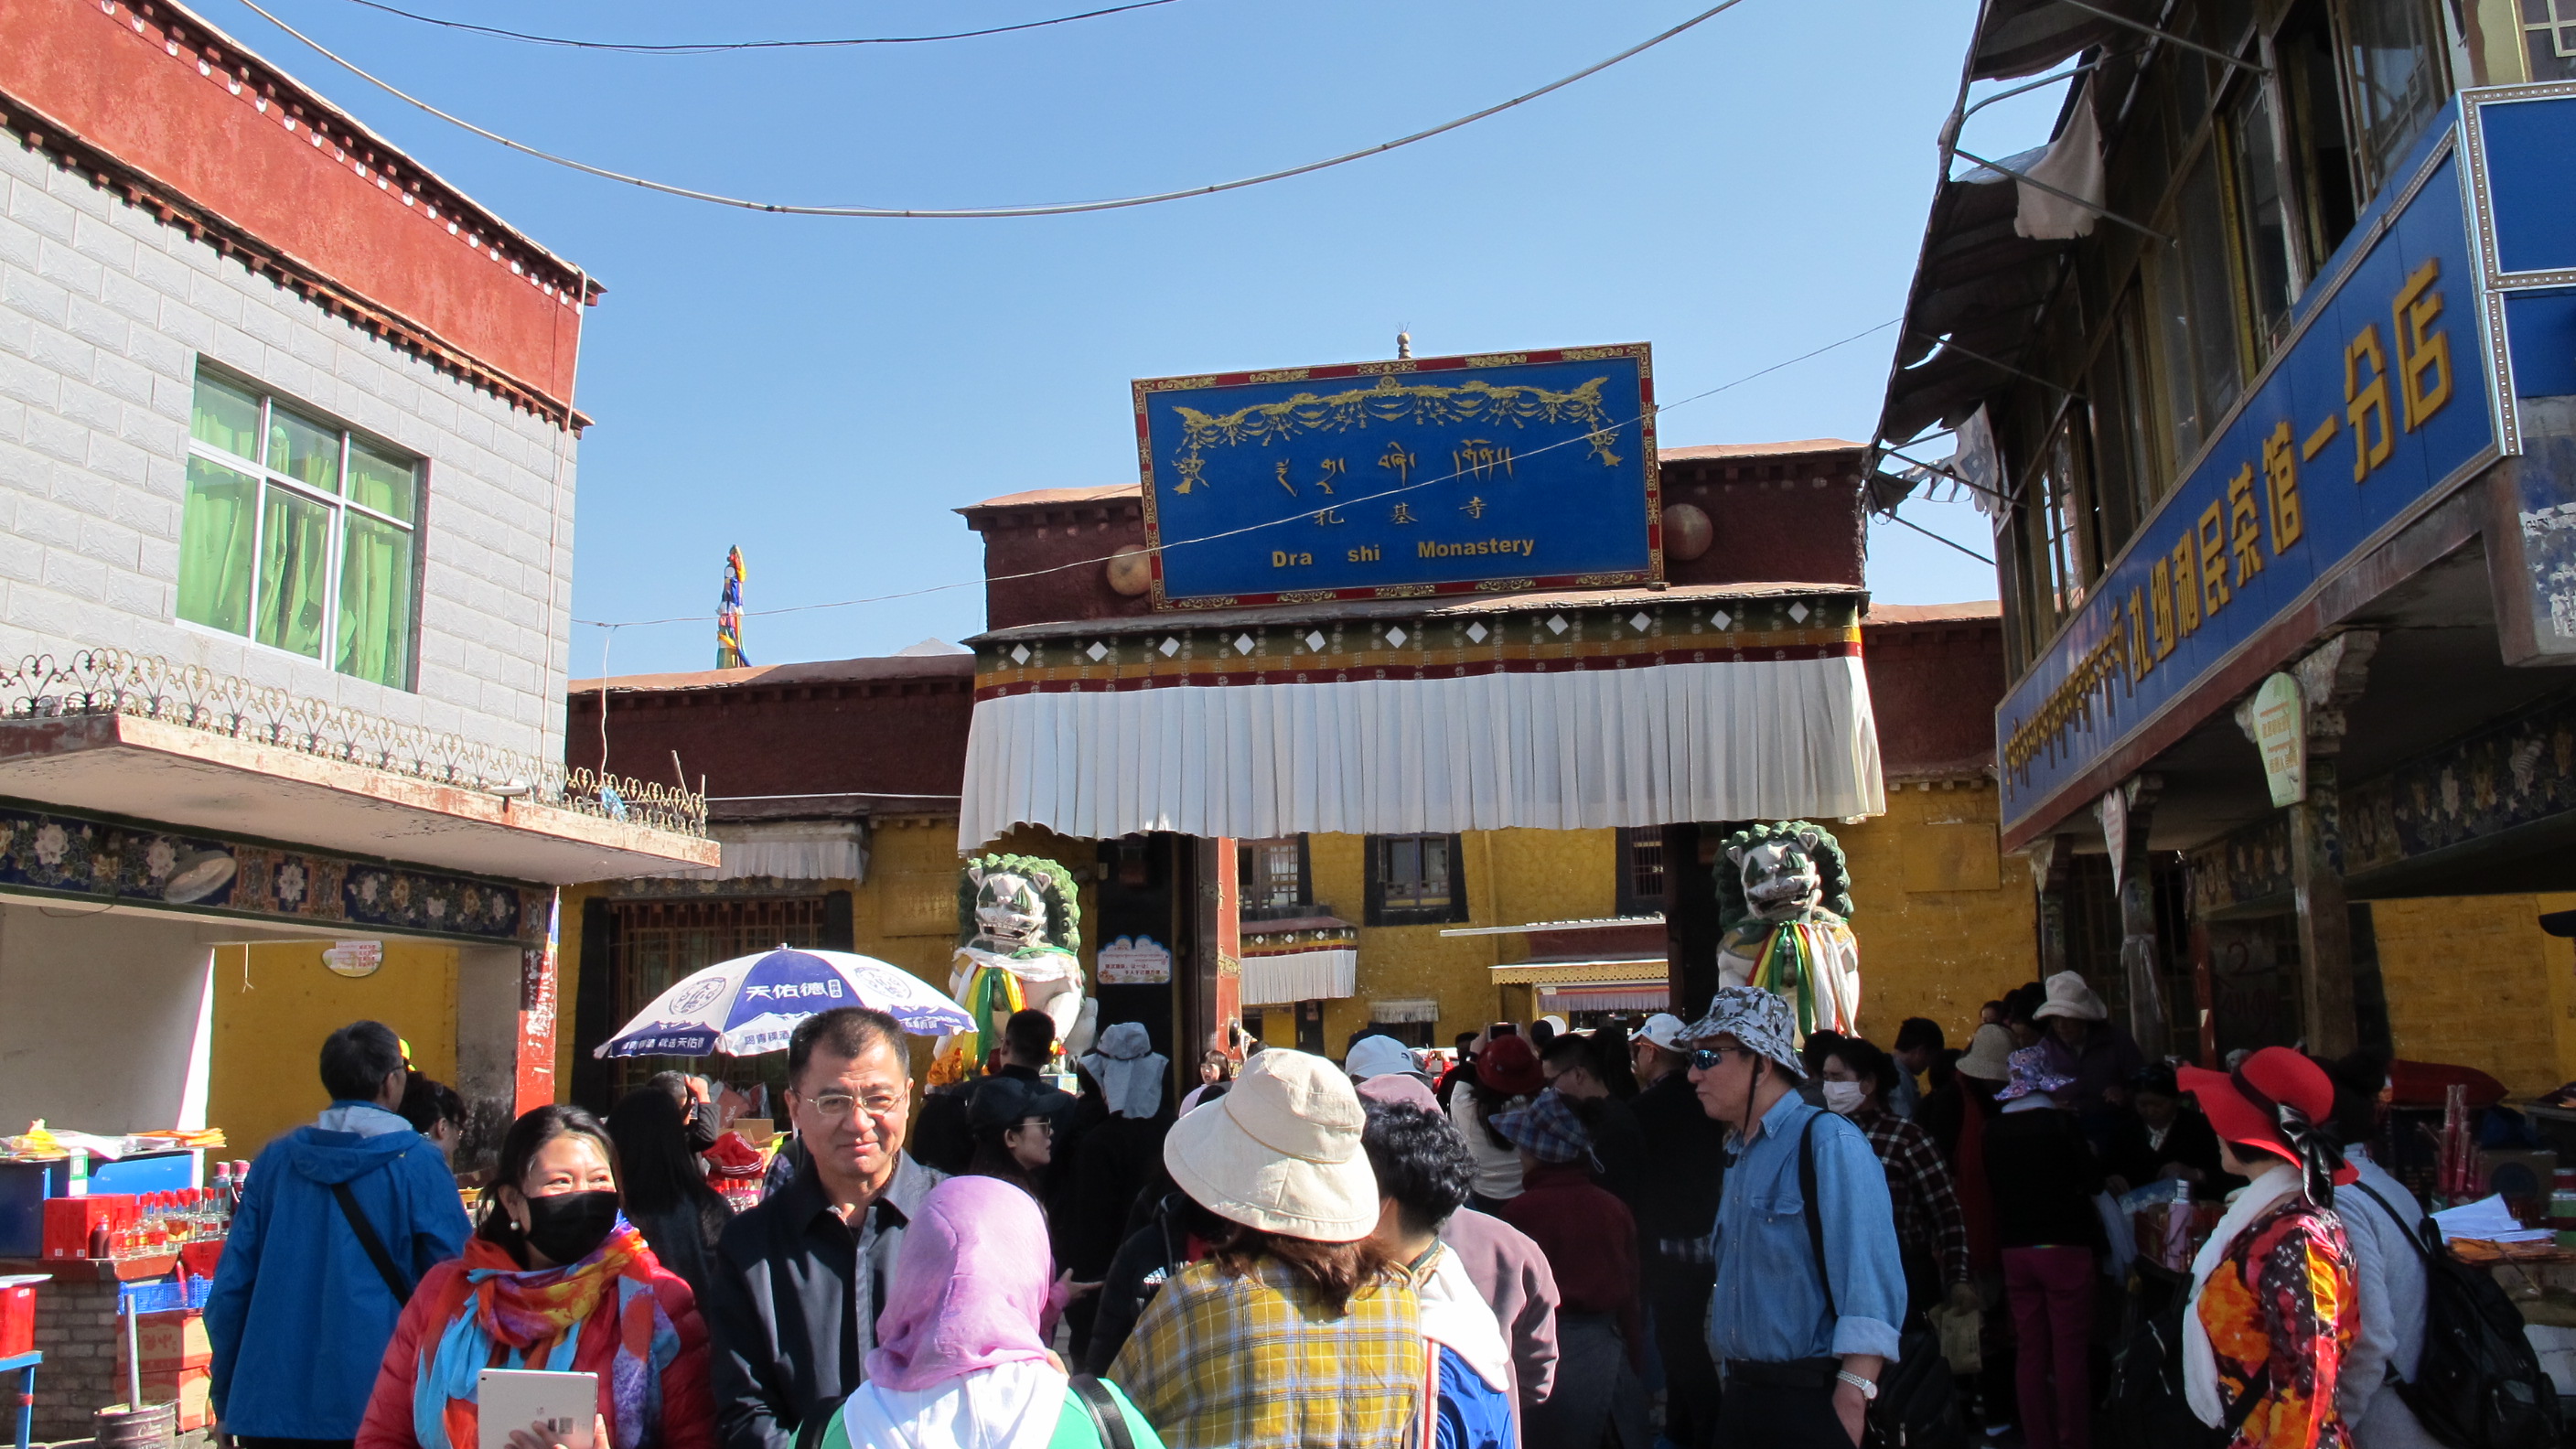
[2273, 1309]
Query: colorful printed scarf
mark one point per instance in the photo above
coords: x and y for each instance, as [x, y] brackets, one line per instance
[497, 1314]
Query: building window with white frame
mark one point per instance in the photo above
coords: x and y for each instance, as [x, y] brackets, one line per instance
[298, 533]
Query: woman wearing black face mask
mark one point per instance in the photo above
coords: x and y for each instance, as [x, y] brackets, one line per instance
[556, 1278]
[667, 1196]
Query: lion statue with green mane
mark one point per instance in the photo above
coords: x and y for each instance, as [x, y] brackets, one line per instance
[1785, 905]
[1019, 932]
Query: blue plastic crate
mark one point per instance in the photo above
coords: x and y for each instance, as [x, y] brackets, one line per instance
[167, 1296]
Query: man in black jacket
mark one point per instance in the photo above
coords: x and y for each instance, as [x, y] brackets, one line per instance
[942, 1136]
[792, 1297]
[1676, 1210]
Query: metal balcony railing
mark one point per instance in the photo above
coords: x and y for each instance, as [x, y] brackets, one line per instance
[119, 682]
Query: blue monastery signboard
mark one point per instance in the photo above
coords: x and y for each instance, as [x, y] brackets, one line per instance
[1401, 479]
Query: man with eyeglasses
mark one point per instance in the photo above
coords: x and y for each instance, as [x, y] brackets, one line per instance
[792, 1300]
[1799, 1342]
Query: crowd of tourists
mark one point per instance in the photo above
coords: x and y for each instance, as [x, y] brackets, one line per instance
[1706, 1233]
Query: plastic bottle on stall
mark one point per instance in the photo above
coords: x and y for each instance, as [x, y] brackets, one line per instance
[223, 1191]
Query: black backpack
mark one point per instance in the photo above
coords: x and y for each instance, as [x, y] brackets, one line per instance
[2479, 1384]
[1916, 1407]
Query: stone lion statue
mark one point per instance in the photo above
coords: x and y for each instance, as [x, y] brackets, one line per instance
[1785, 906]
[1019, 929]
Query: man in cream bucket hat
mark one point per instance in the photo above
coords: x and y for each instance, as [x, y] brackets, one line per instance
[1293, 1330]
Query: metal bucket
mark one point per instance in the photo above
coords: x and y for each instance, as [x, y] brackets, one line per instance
[154, 1426]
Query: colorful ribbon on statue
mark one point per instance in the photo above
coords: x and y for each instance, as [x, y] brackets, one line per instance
[1796, 965]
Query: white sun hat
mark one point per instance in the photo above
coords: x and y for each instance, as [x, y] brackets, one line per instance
[1280, 1151]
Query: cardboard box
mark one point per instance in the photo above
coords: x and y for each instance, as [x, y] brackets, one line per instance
[171, 1343]
[191, 1389]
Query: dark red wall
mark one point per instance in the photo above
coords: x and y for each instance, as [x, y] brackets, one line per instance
[132, 88]
[1792, 518]
[1775, 520]
[878, 726]
[1040, 540]
[1934, 685]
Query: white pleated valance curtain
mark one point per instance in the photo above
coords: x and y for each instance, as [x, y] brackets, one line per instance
[1300, 976]
[1579, 749]
[785, 850]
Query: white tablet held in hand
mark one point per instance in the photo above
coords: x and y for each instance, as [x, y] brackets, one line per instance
[558, 1408]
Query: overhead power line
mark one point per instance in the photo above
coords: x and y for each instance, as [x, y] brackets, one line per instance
[1426, 482]
[713, 47]
[979, 213]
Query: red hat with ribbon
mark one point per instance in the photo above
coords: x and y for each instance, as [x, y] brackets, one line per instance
[2276, 1101]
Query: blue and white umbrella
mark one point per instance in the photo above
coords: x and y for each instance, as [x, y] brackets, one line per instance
[752, 1004]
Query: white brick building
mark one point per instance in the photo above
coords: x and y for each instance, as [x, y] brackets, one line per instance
[287, 446]
[106, 315]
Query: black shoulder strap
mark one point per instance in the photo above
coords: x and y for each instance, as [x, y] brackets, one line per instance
[2409, 1234]
[1106, 1419]
[395, 1282]
[818, 1422]
[1815, 1214]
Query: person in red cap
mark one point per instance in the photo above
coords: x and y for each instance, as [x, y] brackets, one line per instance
[1507, 1076]
[2274, 1310]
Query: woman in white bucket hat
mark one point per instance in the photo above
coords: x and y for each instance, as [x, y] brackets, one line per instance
[1293, 1331]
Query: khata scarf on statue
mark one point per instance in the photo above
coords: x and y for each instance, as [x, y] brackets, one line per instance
[497, 1314]
[1797, 964]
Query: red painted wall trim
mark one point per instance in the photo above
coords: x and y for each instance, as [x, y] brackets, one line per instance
[173, 100]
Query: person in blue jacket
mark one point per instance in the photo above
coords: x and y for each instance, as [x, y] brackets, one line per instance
[301, 1309]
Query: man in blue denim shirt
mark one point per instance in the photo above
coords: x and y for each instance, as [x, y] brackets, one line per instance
[1798, 1376]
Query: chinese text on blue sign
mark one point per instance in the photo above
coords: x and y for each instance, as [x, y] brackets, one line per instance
[1400, 479]
[2378, 400]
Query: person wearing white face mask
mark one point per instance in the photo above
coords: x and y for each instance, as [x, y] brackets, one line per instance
[1931, 1231]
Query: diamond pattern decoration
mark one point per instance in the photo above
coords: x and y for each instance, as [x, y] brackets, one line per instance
[1242, 643]
[1314, 639]
[1638, 621]
[1722, 619]
[1798, 611]
[1171, 646]
[1019, 654]
[1556, 623]
[1395, 636]
[1097, 651]
[1477, 631]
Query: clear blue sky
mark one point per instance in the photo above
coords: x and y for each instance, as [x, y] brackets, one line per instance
[824, 392]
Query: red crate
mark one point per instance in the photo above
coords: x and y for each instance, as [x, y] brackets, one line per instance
[68, 1221]
[17, 1316]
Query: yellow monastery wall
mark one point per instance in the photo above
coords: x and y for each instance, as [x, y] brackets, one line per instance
[276, 1002]
[1513, 877]
[1945, 921]
[2474, 981]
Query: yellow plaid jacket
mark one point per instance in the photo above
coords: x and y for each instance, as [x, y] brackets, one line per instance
[1220, 1362]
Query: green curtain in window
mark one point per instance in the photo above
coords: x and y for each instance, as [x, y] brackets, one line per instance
[215, 534]
[375, 603]
[294, 572]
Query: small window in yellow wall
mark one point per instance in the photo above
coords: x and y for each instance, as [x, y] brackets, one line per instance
[1414, 879]
[1958, 855]
[1641, 870]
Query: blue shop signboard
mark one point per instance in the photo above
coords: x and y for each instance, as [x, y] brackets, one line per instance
[1401, 479]
[2379, 401]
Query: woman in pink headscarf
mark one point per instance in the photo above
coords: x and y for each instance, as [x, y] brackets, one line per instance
[961, 1362]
